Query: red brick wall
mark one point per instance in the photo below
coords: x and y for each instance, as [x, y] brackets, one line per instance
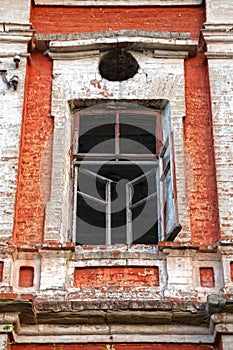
[231, 270]
[36, 131]
[116, 276]
[207, 277]
[76, 20]
[1, 270]
[26, 276]
[199, 151]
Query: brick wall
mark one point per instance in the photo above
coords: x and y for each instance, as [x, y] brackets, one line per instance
[222, 96]
[35, 160]
[116, 276]
[77, 20]
[219, 40]
[18, 12]
[38, 127]
[219, 11]
[36, 132]
[199, 149]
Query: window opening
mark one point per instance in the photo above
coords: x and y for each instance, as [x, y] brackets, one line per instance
[124, 191]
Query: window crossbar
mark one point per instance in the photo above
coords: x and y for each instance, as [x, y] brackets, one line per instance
[143, 176]
[91, 173]
[135, 205]
[92, 198]
[115, 162]
[118, 155]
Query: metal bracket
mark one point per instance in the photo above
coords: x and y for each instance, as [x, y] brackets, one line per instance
[12, 82]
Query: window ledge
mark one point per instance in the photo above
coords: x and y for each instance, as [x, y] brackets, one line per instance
[118, 2]
[119, 252]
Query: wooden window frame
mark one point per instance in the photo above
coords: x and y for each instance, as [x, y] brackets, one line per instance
[161, 168]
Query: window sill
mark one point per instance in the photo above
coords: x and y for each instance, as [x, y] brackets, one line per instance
[119, 254]
[118, 2]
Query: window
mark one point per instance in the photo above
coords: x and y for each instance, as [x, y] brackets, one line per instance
[124, 185]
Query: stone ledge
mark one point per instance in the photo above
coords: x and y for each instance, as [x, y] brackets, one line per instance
[71, 44]
[8, 27]
[58, 312]
[112, 33]
[183, 321]
[119, 2]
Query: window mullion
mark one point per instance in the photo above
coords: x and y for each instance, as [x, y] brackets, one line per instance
[117, 134]
[75, 203]
[129, 214]
[161, 202]
[108, 213]
[76, 128]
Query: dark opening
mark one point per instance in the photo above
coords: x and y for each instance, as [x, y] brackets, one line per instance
[97, 133]
[118, 65]
[91, 221]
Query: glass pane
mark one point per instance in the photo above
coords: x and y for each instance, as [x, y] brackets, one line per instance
[137, 134]
[97, 134]
[91, 207]
[118, 231]
[90, 223]
[169, 204]
[91, 185]
[145, 223]
[144, 187]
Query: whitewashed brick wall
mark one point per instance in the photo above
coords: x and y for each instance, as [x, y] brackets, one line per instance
[16, 11]
[10, 118]
[222, 109]
[219, 38]
[14, 36]
[227, 341]
[219, 11]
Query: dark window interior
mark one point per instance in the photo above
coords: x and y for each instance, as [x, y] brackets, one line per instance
[91, 223]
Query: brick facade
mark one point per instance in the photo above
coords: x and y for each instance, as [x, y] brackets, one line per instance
[58, 295]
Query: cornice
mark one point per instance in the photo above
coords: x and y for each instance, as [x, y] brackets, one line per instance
[56, 323]
[118, 326]
[163, 44]
[15, 33]
[219, 40]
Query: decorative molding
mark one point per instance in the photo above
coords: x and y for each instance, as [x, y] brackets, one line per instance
[219, 40]
[154, 329]
[118, 2]
[117, 338]
[219, 55]
[164, 44]
[12, 36]
[106, 333]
